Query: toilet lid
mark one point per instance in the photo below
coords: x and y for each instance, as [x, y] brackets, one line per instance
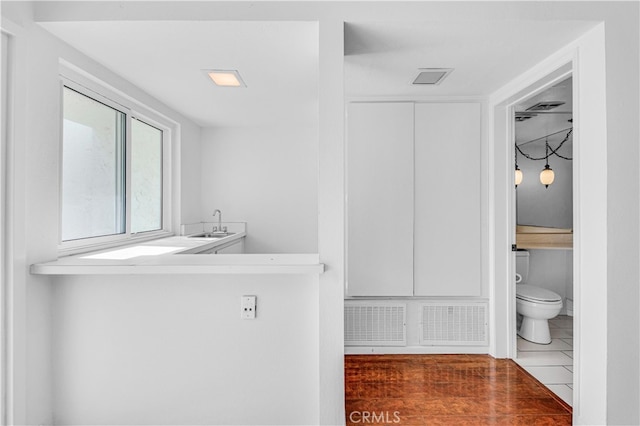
[536, 294]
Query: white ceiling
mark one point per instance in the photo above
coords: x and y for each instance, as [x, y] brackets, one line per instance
[279, 61]
[382, 59]
[531, 133]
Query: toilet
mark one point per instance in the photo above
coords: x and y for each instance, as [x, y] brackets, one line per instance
[537, 305]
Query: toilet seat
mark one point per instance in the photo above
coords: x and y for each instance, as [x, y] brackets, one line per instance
[531, 293]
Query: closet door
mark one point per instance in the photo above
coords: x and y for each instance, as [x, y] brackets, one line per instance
[447, 199]
[380, 199]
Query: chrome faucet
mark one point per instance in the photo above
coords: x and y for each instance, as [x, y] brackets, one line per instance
[219, 227]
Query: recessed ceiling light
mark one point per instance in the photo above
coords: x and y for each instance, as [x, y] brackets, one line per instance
[226, 78]
[431, 76]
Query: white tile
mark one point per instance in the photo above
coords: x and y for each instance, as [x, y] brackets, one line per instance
[543, 358]
[568, 341]
[564, 392]
[559, 333]
[569, 366]
[570, 386]
[551, 375]
[555, 345]
[568, 353]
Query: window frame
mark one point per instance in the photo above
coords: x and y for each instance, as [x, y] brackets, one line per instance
[163, 154]
[110, 97]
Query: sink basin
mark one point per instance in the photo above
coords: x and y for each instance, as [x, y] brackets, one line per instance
[212, 235]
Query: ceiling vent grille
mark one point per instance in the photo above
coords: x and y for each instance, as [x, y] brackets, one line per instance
[545, 106]
[462, 324]
[431, 76]
[375, 324]
[524, 116]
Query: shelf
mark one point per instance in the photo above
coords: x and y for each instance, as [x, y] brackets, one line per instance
[540, 237]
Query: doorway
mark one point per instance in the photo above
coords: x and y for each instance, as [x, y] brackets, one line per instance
[590, 215]
[544, 206]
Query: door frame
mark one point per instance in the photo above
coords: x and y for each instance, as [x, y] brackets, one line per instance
[14, 280]
[584, 59]
[545, 83]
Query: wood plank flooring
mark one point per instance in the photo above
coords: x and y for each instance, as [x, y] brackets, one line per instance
[421, 390]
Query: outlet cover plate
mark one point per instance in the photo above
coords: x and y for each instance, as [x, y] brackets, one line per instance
[248, 307]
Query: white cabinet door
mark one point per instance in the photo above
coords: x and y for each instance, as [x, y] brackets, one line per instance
[447, 199]
[380, 199]
[235, 248]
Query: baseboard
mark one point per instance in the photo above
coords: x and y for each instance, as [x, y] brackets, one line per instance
[426, 350]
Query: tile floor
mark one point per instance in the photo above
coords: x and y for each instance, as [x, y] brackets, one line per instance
[552, 364]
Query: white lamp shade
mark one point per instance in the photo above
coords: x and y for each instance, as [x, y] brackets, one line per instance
[547, 176]
[519, 177]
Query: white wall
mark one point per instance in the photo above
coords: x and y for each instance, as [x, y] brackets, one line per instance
[540, 206]
[552, 207]
[623, 208]
[148, 350]
[173, 350]
[331, 219]
[606, 376]
[618, 247]
[267, 177]
[553, 270]
[188, 168]
[34, 206]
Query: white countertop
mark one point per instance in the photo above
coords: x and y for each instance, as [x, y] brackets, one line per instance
[176, 255]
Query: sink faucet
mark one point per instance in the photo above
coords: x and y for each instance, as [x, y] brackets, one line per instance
[219, 227]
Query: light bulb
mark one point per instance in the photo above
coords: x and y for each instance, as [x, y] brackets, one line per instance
[519, 176]
[546, 176]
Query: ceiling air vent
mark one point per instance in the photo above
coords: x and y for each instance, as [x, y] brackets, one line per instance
[431, 76]
[545, 106]
[523, 116]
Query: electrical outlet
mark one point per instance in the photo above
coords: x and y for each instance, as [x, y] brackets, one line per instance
[248, 307]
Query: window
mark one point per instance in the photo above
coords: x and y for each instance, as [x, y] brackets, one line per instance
[112, 171]
[146, 177]
[93, 168]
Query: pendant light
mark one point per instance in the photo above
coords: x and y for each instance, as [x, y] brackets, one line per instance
[547, 175]
[518, 176]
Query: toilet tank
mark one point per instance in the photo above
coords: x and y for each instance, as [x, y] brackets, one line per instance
[522, 265]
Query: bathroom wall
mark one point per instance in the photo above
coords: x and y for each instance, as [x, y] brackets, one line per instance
[540, 206]
[551, 207]
[267, 177]
[553, 270]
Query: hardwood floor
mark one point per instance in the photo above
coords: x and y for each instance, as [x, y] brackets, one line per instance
[446, 390]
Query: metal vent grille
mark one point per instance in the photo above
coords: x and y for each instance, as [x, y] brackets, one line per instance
[545, 106]
[454, 324]
[375, 324]
[432, 76]
[524, 116]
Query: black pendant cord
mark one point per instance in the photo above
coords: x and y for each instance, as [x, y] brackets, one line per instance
[546, 151]
[548, 154]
